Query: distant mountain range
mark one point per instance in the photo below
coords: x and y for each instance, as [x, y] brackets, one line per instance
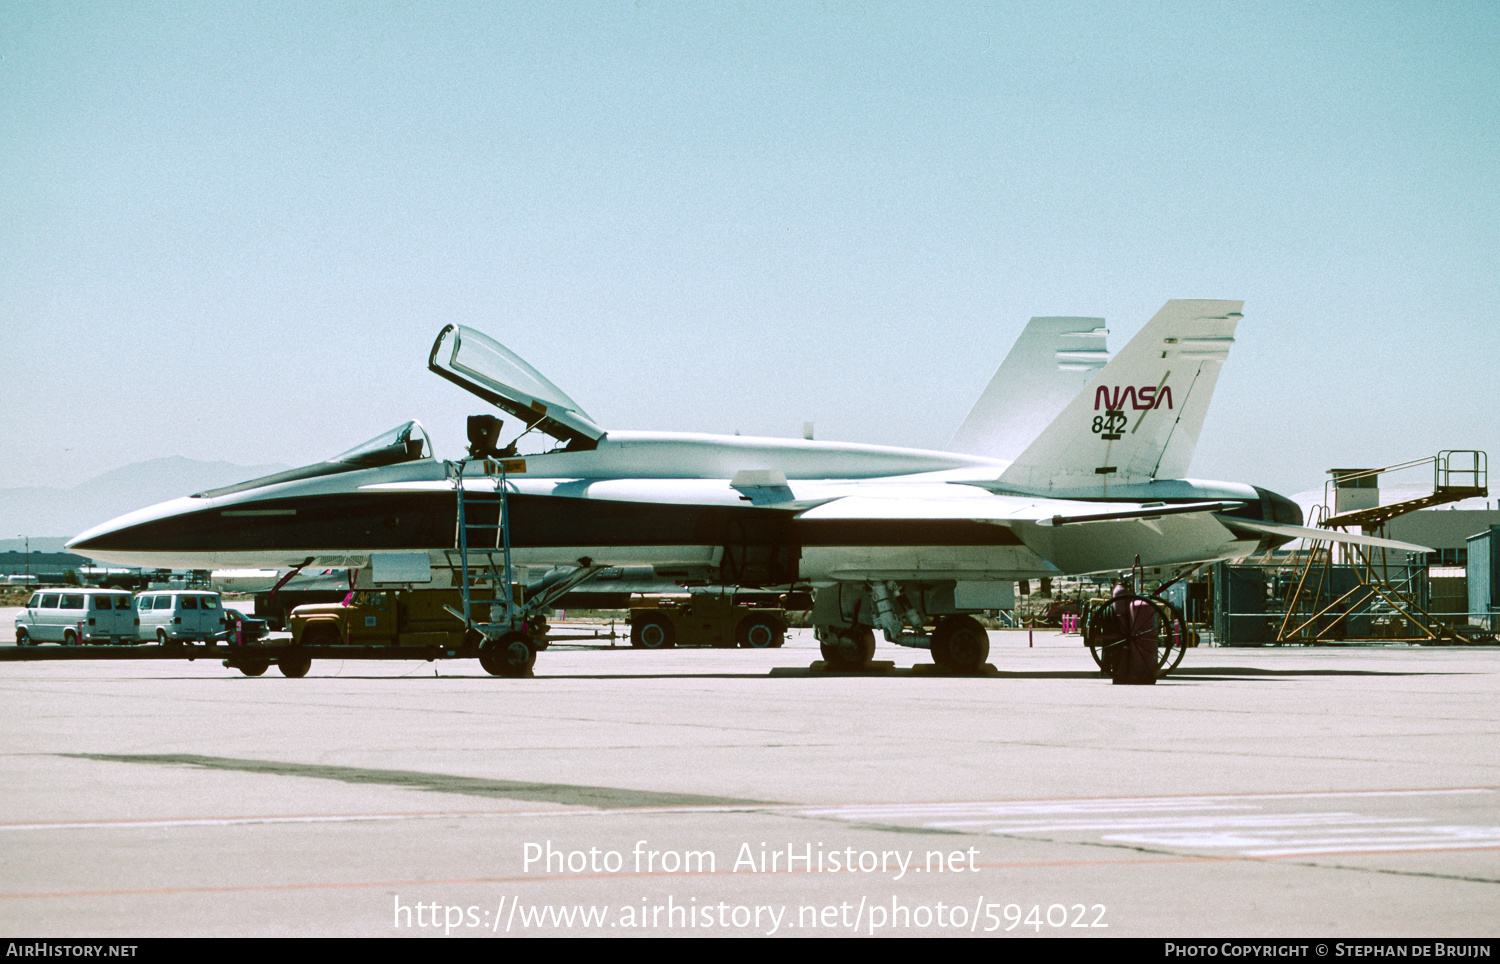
[51, 515]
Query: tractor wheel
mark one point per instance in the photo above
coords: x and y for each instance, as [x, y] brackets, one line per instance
[294, 667]
[760, 632]
[653, 631]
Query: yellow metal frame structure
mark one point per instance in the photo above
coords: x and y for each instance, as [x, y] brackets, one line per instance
[1311, 619]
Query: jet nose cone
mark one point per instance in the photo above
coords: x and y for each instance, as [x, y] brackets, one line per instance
[89, 538]
[123, 539]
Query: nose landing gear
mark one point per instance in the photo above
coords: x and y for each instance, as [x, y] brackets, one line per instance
[512, 654]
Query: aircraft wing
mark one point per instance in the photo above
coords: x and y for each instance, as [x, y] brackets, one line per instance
[1320, 535]
[1143, 514]
[1057, 513]
[995, 509]
[1001, 509]
[1017, 533]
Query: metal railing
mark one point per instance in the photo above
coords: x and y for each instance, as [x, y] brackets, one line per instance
[1477, 471]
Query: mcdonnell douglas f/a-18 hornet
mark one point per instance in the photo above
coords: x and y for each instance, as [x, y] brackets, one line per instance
[907, 541]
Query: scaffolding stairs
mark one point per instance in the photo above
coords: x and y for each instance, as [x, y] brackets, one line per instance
[1317, 612]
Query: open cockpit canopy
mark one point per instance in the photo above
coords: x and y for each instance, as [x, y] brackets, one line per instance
[406, 442]
[486, 368]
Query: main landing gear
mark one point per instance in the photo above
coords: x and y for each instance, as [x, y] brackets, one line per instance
[848, 615]
[960, 644]
[852, 648]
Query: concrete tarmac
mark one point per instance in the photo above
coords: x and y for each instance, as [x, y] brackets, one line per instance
[1259, 792]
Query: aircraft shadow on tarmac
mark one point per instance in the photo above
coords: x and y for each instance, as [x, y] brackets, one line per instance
[602, 798]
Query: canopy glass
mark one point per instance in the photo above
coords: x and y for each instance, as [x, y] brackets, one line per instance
[406, 442]
[486, 368]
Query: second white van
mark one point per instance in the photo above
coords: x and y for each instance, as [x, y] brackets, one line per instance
[179, 616]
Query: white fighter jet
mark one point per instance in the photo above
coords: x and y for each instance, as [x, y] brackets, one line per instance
[907, 541]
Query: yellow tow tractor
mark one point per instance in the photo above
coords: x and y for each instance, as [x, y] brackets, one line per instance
[704, 619]
[391, 623]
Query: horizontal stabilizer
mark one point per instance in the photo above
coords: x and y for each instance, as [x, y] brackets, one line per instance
[1319, 535]
[1145, 512]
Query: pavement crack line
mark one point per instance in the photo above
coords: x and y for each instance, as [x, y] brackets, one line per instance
[600, 798]
[1398, 873]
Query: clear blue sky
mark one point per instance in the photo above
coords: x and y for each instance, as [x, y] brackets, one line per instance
[231, 231]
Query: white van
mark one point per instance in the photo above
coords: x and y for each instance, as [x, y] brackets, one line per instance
[179, 616]
[73, 617]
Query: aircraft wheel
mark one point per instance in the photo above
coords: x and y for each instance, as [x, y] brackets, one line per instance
[511, 655]
[760, 632]
[294, 667]
[961, 644]
[254, 667]
[848, 648]
[653, 632]
[23, 638]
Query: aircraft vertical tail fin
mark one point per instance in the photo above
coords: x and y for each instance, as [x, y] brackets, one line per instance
[1045, 369]
[1139, 417]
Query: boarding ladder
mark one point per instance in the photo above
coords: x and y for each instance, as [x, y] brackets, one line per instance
[484, 564]
[487, 582]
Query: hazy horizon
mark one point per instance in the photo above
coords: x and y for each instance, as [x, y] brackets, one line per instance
[233, 231]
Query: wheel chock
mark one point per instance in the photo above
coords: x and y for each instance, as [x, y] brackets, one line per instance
[933, 669]
[877, 667]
